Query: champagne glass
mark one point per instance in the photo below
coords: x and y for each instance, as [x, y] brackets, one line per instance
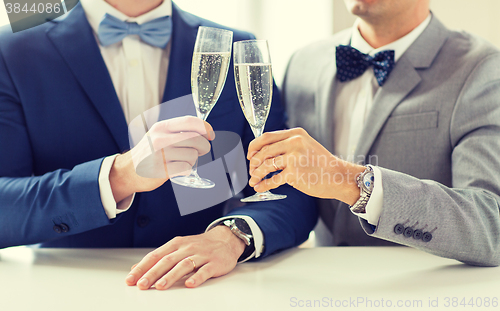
[211, 57]
[254, 84]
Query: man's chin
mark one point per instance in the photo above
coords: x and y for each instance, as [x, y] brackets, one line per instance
[359, 7]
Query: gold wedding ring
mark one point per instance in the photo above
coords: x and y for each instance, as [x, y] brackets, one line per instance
[275, 166]
[192, 261]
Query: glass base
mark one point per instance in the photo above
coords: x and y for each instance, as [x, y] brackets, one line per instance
[193, 181]
[263, 196]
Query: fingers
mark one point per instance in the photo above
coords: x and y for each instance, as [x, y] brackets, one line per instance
[188, 155]
[267, 153]
[270, 138]
[199, 143]
[178, 169]
[265, 168]
[147, 263]
[273, 182]
[164, 267]
[180, 140]
[179, 161]
[210, 254]
[200, 277]
[185, 124]
[184, 267]
[169, 141]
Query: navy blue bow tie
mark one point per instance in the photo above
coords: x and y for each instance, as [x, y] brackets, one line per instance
[156, 32]
[351, 63]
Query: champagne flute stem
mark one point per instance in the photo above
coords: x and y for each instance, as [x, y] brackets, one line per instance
[257, 132]
[194, 170]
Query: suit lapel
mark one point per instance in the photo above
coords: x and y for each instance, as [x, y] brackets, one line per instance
[402, 80]
[185, 29]
[74, 39]
[325, 95]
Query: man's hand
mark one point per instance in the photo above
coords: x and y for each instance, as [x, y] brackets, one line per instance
[306, 165]
[215, 253]
[170, 148]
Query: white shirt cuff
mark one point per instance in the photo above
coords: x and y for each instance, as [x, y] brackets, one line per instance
[258, 236]
[111, 208]
[374, 205]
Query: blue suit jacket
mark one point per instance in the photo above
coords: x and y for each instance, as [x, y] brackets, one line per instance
[60, 116]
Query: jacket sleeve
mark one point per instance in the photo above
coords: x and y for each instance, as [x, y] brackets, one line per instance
[31, 205]
[463, 220]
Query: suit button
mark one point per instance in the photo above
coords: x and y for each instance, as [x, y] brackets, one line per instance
[417, 234]
[408, 232]
[64, 227]
[427, 237]
[142, 221]
[57, 228]
[399, 228]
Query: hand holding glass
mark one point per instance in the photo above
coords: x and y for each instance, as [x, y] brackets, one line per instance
[211, 57]
[254, 84]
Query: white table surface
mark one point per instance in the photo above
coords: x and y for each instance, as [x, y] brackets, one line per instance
[349, 277]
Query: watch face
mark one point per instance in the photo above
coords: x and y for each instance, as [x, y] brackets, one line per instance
[242, 226]
[368, 180]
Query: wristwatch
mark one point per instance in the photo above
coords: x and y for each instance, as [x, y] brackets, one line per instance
[365, 182]
[240, 228]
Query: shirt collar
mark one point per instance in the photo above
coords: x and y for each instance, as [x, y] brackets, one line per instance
[96, 9]
[399, 46]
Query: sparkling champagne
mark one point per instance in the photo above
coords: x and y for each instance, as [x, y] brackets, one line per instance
[208, 76]
[254, 84]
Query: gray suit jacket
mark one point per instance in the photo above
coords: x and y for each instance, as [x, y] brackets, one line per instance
[434, 131]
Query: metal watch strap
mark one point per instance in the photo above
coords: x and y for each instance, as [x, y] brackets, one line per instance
[239, 228]
[365, 193]
[360, 206]
[245, 237]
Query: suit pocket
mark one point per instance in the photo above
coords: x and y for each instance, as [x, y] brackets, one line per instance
[412, 122]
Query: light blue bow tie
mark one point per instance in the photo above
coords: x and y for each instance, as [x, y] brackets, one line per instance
[156, 32]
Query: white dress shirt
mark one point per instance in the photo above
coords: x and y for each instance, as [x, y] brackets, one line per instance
[354, 100]
[139, 74]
